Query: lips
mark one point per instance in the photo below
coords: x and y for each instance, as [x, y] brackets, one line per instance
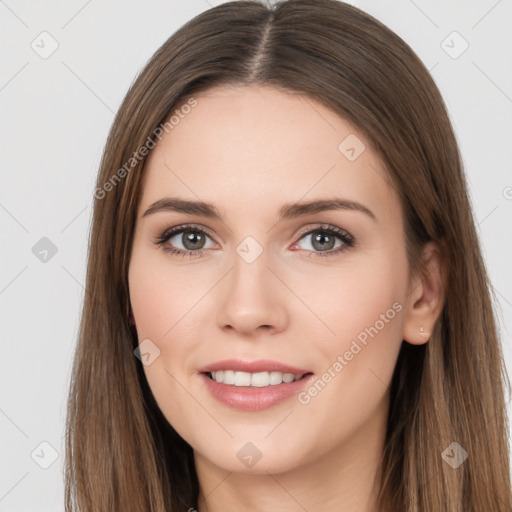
[261, 365]
[241, 391]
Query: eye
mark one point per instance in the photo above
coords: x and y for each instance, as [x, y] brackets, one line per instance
[326, 240]
[323, 240]
[191, 238]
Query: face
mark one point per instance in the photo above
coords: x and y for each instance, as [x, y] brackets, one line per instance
[268, 289]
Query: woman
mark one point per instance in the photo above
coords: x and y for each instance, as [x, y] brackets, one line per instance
[287, 306]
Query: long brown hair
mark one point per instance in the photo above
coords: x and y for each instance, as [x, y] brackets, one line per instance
[121, 453]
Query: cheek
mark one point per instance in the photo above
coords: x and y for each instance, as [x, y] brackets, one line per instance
[165, 305]
[160, 296]
[353, 297]
[365, 314]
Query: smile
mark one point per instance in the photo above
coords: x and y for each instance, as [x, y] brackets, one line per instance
[258, 379]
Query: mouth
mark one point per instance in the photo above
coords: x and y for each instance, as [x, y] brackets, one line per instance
[254, 379]
[253, 386]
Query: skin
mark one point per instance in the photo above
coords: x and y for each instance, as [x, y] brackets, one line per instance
[250, 150]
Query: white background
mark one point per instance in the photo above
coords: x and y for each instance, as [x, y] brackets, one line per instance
[55, 116]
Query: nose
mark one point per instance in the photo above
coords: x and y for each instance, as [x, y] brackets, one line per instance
[252, 298]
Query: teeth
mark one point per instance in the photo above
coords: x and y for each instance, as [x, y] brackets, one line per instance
[258, 380]
[242, 379]
[275, 378]
[229, 377]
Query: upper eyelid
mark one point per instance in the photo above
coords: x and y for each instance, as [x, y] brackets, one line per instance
[325, 227]
[176, 230]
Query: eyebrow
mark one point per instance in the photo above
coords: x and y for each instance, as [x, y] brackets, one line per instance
[288, 211]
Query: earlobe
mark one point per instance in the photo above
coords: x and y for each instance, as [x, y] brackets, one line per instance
[426, 296]
[424, 334]
[419, 336]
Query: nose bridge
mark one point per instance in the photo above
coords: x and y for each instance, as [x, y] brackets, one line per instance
[251, 296]
[250, 272]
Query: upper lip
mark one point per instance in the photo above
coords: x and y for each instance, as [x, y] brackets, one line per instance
[261, 365]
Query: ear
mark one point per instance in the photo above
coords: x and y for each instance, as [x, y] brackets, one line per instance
[426, 296]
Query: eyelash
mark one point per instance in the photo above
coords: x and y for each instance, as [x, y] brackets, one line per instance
[326, 229]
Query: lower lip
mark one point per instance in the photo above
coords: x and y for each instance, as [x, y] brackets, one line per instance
[247, 398]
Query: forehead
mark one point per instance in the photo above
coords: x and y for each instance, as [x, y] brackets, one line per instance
[249, 147]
